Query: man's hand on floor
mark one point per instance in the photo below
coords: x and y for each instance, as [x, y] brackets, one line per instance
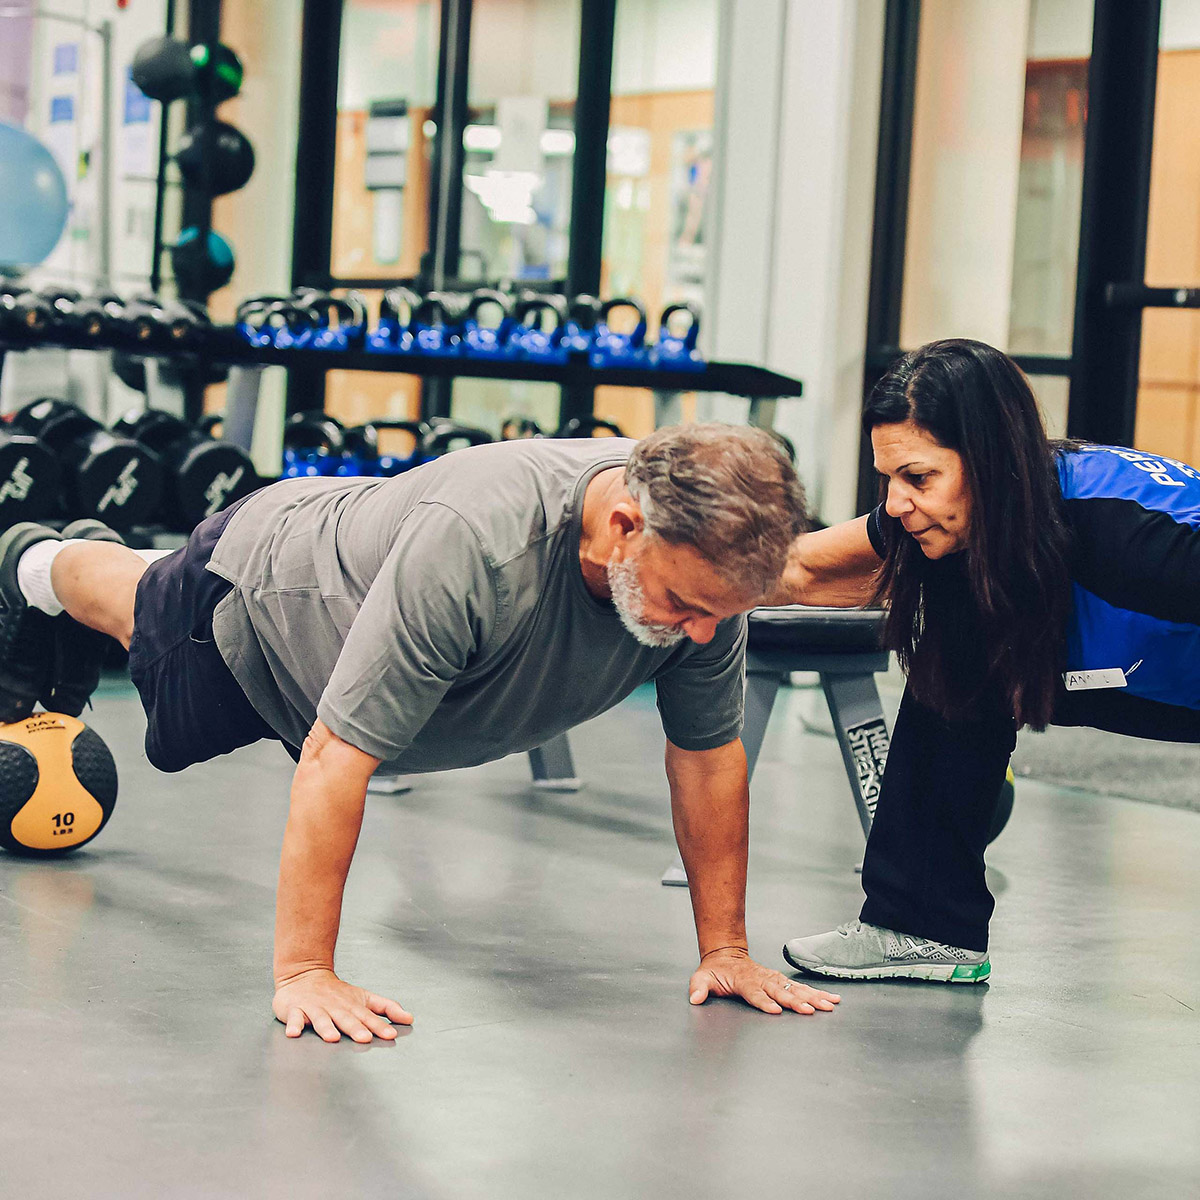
[732, 972]
[320, 999]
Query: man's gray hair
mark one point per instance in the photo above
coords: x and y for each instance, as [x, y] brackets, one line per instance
[728, 491]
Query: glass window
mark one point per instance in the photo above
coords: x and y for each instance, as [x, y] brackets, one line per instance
[520, 139]
[660, 162]
[519, 147]
[1051, 392]
[997, 168]
[387, 85]
[1169, 386]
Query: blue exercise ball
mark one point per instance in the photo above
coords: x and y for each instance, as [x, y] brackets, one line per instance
[33, 199]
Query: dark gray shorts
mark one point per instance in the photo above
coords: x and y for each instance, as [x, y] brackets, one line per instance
[195, 709]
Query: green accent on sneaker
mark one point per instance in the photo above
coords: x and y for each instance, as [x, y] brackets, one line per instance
[973, 974]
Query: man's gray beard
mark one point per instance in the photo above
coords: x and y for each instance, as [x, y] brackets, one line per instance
[625, 584]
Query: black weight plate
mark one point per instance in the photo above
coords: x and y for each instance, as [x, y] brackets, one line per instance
[119, 482]
[209, 477]
[29, 479]
[56, 422]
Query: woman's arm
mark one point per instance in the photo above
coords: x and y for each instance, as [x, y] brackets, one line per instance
[834, 566]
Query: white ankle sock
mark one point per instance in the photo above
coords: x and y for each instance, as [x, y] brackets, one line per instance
[33, 573]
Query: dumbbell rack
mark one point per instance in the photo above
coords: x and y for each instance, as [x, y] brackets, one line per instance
[223, 344]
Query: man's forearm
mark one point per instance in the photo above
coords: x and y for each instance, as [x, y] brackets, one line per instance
[710, 806]
[318, 845]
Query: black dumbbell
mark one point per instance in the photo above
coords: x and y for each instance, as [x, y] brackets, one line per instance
[29, 479]
[62, 301]
[23, 312]
[86, 317]
[166, 324]
[104, 475]
[586, 427]
[446, 435]
[203, 475]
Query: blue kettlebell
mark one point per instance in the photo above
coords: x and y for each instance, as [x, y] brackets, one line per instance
[359, 455]
[579, 332]
[530, 338]
[251, 320]
[294, 325]
[446, 435]
[674, 351]
[312, 446]
[388, 465]
[613, 349]
[393, 333]
[587, 427]
[342, 321]
[487, 341]
[434, 325]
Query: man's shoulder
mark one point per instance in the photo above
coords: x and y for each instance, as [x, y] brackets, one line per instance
[514, 493]
[527, 461]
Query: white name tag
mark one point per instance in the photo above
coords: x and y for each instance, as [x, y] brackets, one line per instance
[1082, 681]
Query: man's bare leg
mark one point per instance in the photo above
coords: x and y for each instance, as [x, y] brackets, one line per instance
[96, 583]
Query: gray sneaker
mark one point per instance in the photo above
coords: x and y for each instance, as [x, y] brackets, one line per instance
[857, 950]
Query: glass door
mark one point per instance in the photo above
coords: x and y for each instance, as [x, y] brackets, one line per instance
[387, 84]
[992, 238]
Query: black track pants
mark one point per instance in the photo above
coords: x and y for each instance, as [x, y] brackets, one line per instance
[923, 870]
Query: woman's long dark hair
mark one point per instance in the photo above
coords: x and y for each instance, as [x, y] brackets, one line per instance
[988, 621]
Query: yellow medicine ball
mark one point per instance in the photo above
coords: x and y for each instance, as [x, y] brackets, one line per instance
[58, 784]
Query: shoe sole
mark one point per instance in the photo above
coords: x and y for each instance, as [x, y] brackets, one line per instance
[75, 643]
[19, 695]
[19, 534]
[930, 972]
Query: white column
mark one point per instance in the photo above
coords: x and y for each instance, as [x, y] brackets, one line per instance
[798, 115]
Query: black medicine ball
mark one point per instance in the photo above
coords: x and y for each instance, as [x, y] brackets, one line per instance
[58, 785]
[216, 156]
[163, 69]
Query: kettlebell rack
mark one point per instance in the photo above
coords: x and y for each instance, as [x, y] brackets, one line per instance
[222, 344]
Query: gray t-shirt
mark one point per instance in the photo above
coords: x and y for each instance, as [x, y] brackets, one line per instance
[440, 619]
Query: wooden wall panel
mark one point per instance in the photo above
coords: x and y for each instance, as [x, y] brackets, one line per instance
[1169, 396]
[1166, 421]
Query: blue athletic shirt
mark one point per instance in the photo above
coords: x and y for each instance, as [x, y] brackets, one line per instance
[1134, 520]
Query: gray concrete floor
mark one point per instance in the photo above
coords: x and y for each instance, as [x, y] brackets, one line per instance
[554, 1053]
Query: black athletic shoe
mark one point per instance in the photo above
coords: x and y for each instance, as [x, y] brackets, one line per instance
[26, 634]
[79, 652]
